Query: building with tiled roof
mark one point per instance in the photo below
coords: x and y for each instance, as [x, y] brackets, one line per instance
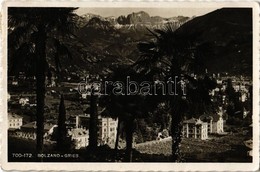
[195, 128]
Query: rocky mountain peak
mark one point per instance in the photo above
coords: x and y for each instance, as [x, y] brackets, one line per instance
[139, 17]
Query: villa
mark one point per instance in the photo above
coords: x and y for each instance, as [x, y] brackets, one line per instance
[195, 128]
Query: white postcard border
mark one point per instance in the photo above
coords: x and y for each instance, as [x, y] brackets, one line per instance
[134, 166]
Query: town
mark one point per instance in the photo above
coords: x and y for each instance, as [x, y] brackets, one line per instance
[22, 124]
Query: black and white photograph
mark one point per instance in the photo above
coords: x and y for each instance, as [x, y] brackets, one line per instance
[131, 84]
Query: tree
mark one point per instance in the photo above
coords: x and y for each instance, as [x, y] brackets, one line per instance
[33, 32]
[230, 91]
[125, 107]
[170, 56]
[93, 123]
[118, 106]
[235, 107]
[62, 130]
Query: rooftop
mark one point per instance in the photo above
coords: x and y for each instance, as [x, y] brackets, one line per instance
[78, 132]
[214, 117]
[13, 116]
[32, 125]
[193, 121]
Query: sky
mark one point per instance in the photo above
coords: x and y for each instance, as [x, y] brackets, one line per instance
[163, 12]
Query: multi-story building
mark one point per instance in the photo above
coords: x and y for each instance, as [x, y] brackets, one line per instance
[218, 122]
[209, 120]
[14, 121]
[80, 137]
[82, 121]
[107, 131]
[107, 128]
[215, 122]
[195, 128]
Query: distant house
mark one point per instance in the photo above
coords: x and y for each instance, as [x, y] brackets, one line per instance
[15, 82]
[85, 95]
[239, 86]
[245, 113]
[29, 130]
[219, 81]
[215, 122]
[195, 128]
[243, 96]
[80, 137]
[218, 122]
[24, 101]
[51, 82]
[14, 121]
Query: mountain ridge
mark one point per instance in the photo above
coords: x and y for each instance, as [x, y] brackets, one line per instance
[138, 19]
[228, 33]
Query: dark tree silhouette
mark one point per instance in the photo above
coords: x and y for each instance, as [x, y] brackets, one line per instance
[93, 123]
[125, 107]
[62, 130]
[30, 31]
[173, 56]
[230, 91]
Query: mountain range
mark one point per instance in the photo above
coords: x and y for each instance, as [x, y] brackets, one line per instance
[224, 37]
[135, 19]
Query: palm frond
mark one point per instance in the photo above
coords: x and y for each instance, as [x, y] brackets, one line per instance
[143, 47]
[20, 34]
[152, 33]
[61, 20]
[23, 59]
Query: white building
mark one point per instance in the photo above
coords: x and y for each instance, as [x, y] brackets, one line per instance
[209, 120]
[215, 122]
[219, 81]
[80, 137]
[107, 131]
[243, 96]
[195, 128]
[23, 101]
[14, 121]
[107, 128]
[217, 125]
[14, 82]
